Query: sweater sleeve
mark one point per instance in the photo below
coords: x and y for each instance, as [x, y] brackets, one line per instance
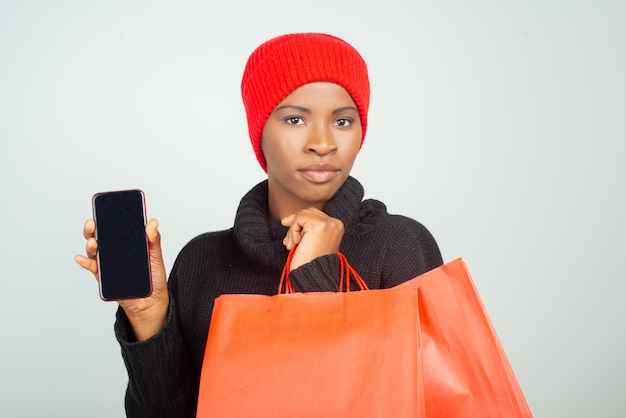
[318, 275]
[162, 381]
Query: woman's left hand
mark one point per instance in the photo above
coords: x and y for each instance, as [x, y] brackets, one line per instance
[314, 232]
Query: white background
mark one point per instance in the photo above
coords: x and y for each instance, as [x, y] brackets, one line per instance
[500, 125]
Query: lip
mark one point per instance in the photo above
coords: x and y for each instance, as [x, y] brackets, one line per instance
[320, 173]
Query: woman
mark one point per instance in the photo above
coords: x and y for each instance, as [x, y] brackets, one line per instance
[306, 98]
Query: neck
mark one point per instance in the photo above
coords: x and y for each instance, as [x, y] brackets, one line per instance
[282, 205]
[280, 208]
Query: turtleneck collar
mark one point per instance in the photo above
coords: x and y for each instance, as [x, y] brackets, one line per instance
[263, 241]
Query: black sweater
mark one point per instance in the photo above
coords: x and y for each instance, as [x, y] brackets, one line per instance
[164, 371]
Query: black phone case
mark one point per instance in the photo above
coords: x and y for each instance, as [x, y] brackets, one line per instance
[123, 254]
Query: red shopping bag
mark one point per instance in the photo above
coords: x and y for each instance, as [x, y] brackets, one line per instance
[466, 371]
[325, 354]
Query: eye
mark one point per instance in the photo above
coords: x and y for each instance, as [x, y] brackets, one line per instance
[343, 123]
[294, 120]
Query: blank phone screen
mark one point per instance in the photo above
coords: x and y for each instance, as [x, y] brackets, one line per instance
[123, 257]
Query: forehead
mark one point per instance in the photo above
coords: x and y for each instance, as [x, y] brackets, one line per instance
[319, 92]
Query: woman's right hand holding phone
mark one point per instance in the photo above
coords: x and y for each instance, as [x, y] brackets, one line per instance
[146, 315]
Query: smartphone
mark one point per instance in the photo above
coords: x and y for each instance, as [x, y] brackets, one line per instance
[123, 255]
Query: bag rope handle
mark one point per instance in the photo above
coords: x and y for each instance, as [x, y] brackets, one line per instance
[345, 272]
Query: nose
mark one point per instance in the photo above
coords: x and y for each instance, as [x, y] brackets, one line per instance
[321, 141]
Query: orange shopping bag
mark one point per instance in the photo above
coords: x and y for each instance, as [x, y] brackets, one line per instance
[324, 354]
[465, 370]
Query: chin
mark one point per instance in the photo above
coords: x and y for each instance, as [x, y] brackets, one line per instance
[321, 193]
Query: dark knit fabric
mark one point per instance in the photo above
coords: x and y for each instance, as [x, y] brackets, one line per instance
[164, 371]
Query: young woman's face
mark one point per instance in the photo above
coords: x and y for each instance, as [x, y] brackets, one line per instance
[310, 142]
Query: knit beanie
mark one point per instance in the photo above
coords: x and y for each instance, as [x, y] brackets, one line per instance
[282, 64]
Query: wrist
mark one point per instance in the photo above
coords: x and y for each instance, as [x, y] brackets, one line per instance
[148, 322]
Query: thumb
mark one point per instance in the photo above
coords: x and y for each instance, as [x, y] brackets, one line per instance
[159, 275]
[154, 237]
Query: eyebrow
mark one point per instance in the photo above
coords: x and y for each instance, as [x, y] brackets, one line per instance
[300, 108]
[307, 110]
[345, 108]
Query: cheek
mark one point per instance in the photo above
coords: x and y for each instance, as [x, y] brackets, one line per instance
[278, 152]
[353, 151]
[353, 144]
[268, 144]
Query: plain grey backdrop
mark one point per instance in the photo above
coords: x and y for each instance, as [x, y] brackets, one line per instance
[500, 125]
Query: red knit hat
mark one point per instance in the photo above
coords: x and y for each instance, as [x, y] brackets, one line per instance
[282, 64]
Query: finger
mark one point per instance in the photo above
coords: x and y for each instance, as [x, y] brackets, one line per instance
[89, 228]
[91, 247]
[290, 241]
[294, 235]
[289, 245]
[288, 220]
[87, 263]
